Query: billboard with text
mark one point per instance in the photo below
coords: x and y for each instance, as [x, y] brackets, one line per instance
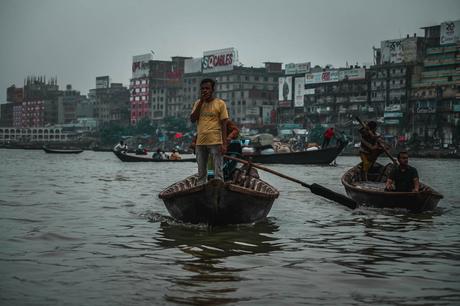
[219, 60]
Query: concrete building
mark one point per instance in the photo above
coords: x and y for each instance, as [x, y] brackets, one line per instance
[435, 94]
[111, 102]
[67, 105]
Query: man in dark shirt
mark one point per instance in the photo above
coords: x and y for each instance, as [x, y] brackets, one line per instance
[404, 177]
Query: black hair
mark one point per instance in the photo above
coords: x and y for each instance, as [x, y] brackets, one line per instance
[213, 83]
[402, 152]
[372, 124]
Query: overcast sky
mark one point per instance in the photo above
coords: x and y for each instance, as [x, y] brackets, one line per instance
[78, 40]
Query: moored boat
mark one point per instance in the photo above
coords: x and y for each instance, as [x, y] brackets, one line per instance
[320, 156]
[62, 150]
[129, 157]
[372, 192]
[218, 202]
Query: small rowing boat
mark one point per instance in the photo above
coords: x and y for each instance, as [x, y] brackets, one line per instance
[372, 192]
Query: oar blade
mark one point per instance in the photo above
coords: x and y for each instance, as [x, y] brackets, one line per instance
[333, 196]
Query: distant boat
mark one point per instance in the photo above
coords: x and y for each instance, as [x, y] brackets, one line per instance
[129, 157]
[320, 156]
[372, 192]
[218, 202]
[62, 151]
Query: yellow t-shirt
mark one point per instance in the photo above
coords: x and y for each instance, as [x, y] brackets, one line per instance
[209, 124]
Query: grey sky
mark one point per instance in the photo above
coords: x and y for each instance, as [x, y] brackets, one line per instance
[79, 40]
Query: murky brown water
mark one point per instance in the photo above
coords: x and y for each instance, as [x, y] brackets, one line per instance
[89, 229]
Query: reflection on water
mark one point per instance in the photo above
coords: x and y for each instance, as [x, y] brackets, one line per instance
[207, 280]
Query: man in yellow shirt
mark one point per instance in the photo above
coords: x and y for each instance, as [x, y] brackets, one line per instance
[211, 114]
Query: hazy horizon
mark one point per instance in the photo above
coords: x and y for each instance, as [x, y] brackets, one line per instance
[80, 40]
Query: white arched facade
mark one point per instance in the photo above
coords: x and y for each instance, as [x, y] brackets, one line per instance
[38, 134]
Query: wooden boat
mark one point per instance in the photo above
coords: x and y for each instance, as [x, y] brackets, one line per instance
[321, 156]
[218, 202]
[61, 151]
[129, 157]
[372, 192]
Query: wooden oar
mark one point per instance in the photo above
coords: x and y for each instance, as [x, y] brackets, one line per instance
[314, 188]
[378, 141]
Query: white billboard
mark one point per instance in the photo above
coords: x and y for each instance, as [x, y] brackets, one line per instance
[392, 51]
[450, 32]
[140, 67]
[297, 68]
[352, 74]
[322, 77]
[285, 91]
[192, 65]
[102, 82]
[219, 60]
[299, 91]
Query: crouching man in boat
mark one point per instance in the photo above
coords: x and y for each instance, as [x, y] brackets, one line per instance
[211, 116]
[403, 176]
[175, 155]
[121, 147]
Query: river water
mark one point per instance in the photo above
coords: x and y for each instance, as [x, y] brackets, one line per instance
[88, 229]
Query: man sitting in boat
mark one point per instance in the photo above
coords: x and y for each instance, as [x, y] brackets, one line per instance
[140, 150]
[403, 178]
[158, 154]
[370, 148]
[175, 155]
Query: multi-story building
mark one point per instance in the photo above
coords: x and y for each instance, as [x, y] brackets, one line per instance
[139, 88]
[398, 63]
[67, 105]
[251, 93]
[435, 94]
[111, 102]
[334, 97]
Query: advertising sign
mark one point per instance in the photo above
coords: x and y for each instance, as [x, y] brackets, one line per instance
[299, 91]
[102, 82]
[285, 91]
[352, 74]
[192, 65]
[392, 51]
[322, 77]
[297, 68]
[140, 65]
[219, 60]
[450, 32]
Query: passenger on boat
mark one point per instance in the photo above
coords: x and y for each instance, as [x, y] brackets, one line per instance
[403, 178]
[211, 116]
[175, 155]
[327, 137]
[140, 150]
[121, 147]
[370, 148]
[158, 154]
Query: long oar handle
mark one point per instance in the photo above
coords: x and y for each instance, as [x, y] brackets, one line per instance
[382, 145]
[268, 170]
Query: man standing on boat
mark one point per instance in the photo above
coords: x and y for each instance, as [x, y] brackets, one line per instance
[370, 148]
[327, 136]
[404, 177]
[211, 116]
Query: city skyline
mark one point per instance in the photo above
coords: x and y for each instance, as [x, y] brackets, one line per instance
[78, 41]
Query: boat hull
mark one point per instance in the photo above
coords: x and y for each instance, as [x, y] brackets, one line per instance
[126, 157]
[322, 156]
[62, 151]
[219, 203]
[376, 196]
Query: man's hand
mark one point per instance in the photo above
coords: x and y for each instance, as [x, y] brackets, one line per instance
[223, 148]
